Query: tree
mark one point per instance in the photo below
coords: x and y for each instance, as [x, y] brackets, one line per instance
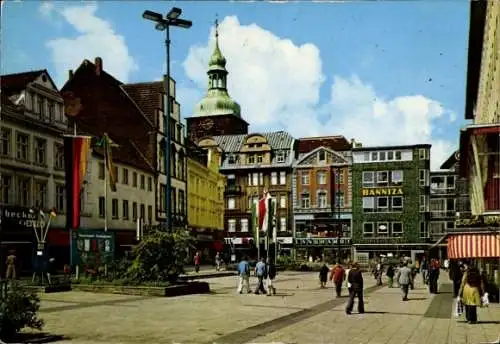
[160, 256]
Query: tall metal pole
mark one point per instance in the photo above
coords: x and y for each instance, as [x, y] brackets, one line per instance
[337, 204]
[166, 131]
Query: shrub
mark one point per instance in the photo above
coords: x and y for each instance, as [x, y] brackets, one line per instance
[18, 309]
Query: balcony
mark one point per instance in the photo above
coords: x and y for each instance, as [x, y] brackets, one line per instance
[442, 190]
[232, 190]
[441, 214]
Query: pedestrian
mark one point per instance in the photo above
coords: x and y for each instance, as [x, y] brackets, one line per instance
[446, 265]
[404, 279]
[390, 275]
[217, 261]
[378, 273]
[323, 276]
[11, 265]
[244, 275]
[338, 276]
[261, 273]
[456, 274]
[470, 293]
[424, 268]
[434, 267]
[412, 275]
[348, 285]
[197, 261]
[271, 276]
[355, 278]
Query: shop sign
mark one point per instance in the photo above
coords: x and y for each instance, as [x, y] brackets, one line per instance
[19, 216]
[92, 247]
[322, 241]
[382, 192]
[285, 240]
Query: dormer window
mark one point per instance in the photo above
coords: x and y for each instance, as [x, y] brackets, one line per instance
[321, 156]
[280, 157]
[259, 159]
[231, 159]
[251, 159]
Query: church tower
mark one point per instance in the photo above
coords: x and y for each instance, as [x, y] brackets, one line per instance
[216, 114]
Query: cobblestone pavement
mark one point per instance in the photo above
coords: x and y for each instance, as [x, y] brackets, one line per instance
[300, 313]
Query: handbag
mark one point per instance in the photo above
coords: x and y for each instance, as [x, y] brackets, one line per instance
[459, 307]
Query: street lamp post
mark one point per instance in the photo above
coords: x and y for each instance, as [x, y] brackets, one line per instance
[337, 207]
[164, 24]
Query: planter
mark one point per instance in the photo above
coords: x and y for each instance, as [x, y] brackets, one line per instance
[170, 291]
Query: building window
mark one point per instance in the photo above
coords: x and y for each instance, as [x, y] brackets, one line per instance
[423, 203]
[282, 178]
[41, 106]
[382, 228]
[231, 225]
[101, 171]
[321, 156]
[143, 212]
[231, 159]
[382, 177]
[283, 202]
[163, 192]
[421, 177]
[381, 156]
[368, 178]
[114, 208]
[182, 208]
[397, 202]
[397, 155]
[274, 178]
[390, 156]
[244, 225]
[397, 177]
[23, 147]
[397, 228]
[6, 185]
[125, 176]
[374, 156]
[280, 157]
[339, 177]
[125, 209]
[321, 178]
[424, 233]
[322, 201]
[231, 203]
[40, 151]
[41, 194]
[422, 153]
[5, 148]
[305, 178]
[382, 202]
[150, 214]
[259, 159]
[305, 201]
[60, 198]
[368, 229]
[134, 179]
[339, 202]
[255, 179]
[59, 156]
[283, 224]
[366, 156]
[102, 207]
[23, 188]
[251, 159]
[368, 204]
[134, 210]
[52, 111]
[143, 182]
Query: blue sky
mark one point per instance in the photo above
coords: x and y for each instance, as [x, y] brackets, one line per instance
[382, 72]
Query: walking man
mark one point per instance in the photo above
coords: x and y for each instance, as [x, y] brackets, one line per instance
[404, 279]
[390, 275]
[338, 276]
[261, 273]
[424, 266]
[355, 278]
[197, 261]
[244, 275]
[271, 275]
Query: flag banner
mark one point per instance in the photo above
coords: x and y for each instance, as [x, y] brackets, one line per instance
[263, 212]
[255, 223]
[76, 156]
[107, 144]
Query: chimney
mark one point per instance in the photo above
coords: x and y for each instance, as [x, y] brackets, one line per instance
[98, 65]
[70, 74]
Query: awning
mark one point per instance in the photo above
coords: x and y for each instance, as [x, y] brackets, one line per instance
[474, 246]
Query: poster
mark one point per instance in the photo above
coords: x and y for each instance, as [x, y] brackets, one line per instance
[92, 248]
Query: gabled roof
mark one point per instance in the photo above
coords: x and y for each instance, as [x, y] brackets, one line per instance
[451, 161]
[146, 96]
[316, 150]
[336, 143]
[14, 83]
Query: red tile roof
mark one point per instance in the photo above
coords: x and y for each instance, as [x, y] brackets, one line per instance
[147, 96]
[337, 143]
[13, 83]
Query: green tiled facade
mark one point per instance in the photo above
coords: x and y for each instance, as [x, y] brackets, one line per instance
[405, 221]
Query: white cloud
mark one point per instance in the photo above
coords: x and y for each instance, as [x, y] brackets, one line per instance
[96, 37]
[277, 84]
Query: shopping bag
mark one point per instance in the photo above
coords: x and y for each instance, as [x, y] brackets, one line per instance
[484, 300]
[459, 307]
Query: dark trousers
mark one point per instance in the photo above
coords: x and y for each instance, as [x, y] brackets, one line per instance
[433, 282]
[350, 302]
[338, 288]
[197, 267]
[404, 289]
[260, 286]
[456, 287]
[470, 313]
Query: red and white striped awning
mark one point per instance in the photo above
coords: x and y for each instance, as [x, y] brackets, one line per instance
[473, 246]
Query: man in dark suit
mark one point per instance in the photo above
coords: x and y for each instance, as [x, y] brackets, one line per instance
[355, 278]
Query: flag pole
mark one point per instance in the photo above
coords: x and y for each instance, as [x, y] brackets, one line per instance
[105, 183]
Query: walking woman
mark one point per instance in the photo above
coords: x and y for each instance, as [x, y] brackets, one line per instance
[470, 293]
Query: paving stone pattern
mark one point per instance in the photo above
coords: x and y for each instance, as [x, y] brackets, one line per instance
[300, 313]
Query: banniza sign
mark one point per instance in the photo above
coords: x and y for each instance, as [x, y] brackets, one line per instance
[382, 192]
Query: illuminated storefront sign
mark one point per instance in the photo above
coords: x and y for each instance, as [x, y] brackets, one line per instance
[322, 241]
[382, 192]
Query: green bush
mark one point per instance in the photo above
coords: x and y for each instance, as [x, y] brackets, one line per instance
[18, 309]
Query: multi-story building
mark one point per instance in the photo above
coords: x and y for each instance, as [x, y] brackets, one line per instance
[31, 160]
[480, 141]
[254, 164]
[390, 200]
[132, 115]
[322, 197]
[205, 200]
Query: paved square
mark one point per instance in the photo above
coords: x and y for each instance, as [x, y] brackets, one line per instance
[300, 313]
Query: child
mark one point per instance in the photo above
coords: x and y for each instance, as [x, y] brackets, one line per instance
[323, 275]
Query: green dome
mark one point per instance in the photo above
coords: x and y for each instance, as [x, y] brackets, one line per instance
[217, 102]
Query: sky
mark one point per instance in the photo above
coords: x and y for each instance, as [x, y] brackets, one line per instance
[382, 73]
